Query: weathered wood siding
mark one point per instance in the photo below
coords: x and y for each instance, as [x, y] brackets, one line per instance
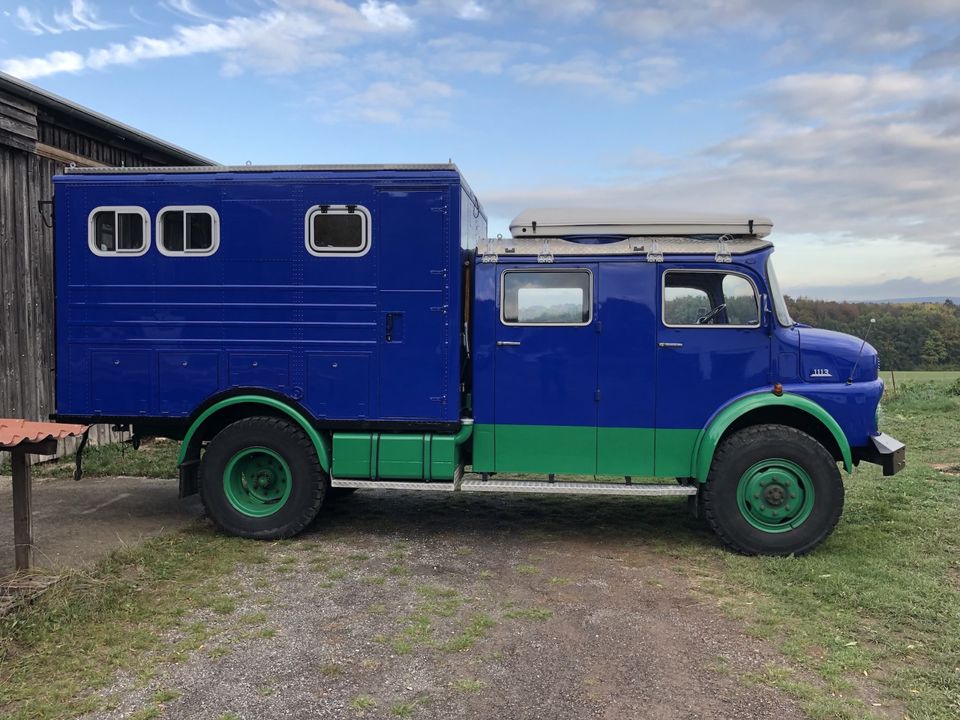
[27, 350]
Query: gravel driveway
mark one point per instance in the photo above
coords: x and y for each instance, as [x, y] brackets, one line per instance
[438, 606]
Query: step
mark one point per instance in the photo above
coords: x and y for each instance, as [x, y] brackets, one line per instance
[393, 485]
[575, 488]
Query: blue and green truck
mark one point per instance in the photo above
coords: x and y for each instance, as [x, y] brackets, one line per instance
[307, 331]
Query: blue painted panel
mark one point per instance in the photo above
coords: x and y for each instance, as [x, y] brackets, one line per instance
[338, 385]
[121, 382]
[263, 369]
[185, 379]
[483, 341]
[627, 357]
[550, 378]
[706, 367]
[852, 406]
[263, 296]
[415, 325]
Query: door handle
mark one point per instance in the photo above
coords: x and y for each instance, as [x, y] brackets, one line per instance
[508, 343]
[389, 327]
[669, 345]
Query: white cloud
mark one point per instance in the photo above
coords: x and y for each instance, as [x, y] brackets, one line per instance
[461, 9]
[385, 15]
[55, 62]
[859, 184]
[190, 9]
[475, 54]
[391, 103]
[566, 10]
[80, 16]
[281, 40]
[621, 78]
[802, 29]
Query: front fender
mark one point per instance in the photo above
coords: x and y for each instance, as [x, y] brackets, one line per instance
[710, 436]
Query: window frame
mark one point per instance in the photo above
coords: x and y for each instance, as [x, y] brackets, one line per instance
[198, 209]
[541, 270]
[342, 209]
[118, 210]
[663, 299]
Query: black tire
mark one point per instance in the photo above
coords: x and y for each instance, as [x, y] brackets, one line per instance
[308, 484]
[742, 452]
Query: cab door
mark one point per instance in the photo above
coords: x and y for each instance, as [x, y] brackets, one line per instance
[546, 370]
[711, 348]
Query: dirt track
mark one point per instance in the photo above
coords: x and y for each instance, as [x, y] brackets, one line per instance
[438, 606]
[77, 523]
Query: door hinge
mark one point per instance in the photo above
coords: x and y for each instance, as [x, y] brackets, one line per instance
[596, 395]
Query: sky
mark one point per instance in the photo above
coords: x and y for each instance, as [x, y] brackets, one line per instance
[838, 120]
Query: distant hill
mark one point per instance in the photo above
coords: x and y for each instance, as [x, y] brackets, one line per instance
[955, 299]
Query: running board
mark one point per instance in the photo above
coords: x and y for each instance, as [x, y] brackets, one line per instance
[393, 485]
[522, 486]
[575, 488]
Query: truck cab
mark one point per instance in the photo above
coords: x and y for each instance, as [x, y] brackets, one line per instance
[306, 332]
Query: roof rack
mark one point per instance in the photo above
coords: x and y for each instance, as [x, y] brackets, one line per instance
[653, 248]
[593, 222]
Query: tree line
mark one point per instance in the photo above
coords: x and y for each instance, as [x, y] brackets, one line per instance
[908, 336]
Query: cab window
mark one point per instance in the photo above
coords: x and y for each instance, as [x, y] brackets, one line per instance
[694, 298]
[546, 297]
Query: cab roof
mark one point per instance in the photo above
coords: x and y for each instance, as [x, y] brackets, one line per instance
[568, 222]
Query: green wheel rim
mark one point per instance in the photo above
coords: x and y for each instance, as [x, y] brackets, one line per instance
[775, 495]
[257, 482]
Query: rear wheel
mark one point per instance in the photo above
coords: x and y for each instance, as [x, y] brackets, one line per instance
[773, 490]
[260, 478]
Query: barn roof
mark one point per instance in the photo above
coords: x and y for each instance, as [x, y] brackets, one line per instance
[54, 103]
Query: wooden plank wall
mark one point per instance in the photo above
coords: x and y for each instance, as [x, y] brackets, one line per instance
[27, 351]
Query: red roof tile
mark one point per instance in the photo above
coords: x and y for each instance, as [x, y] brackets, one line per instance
[14, 432]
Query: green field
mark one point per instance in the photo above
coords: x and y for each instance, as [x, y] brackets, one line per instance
[914, 376]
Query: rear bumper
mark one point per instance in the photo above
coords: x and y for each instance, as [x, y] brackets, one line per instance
[885, 451]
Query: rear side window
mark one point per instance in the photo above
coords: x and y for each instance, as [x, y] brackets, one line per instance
[188, 230]
[338, 230]
[709, 299]
[546, 297]
[119, 231]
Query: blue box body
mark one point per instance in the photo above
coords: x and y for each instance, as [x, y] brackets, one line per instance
[158, 337]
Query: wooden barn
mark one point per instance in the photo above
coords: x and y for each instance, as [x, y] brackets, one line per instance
[40, 134]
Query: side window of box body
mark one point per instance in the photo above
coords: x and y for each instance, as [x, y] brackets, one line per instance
[188, 231]
[338, 230]
[691, 295]
[118, 231]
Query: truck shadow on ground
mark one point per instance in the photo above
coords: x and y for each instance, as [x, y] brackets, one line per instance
[613, 521]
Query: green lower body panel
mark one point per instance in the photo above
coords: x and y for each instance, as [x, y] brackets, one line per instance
[640, 452]
[395, 457]
[625, 451]
[674, 452]
[545, 449]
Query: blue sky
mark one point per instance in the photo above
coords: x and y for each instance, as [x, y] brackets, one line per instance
[841, 121]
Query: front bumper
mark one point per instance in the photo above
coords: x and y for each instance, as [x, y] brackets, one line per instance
[885, 451]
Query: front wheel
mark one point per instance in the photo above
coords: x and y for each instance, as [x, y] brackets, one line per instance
[260, 478]
[772, 490]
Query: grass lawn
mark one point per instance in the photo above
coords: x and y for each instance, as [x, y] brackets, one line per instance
[873, 616]
[880, 601]
[916, 376]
